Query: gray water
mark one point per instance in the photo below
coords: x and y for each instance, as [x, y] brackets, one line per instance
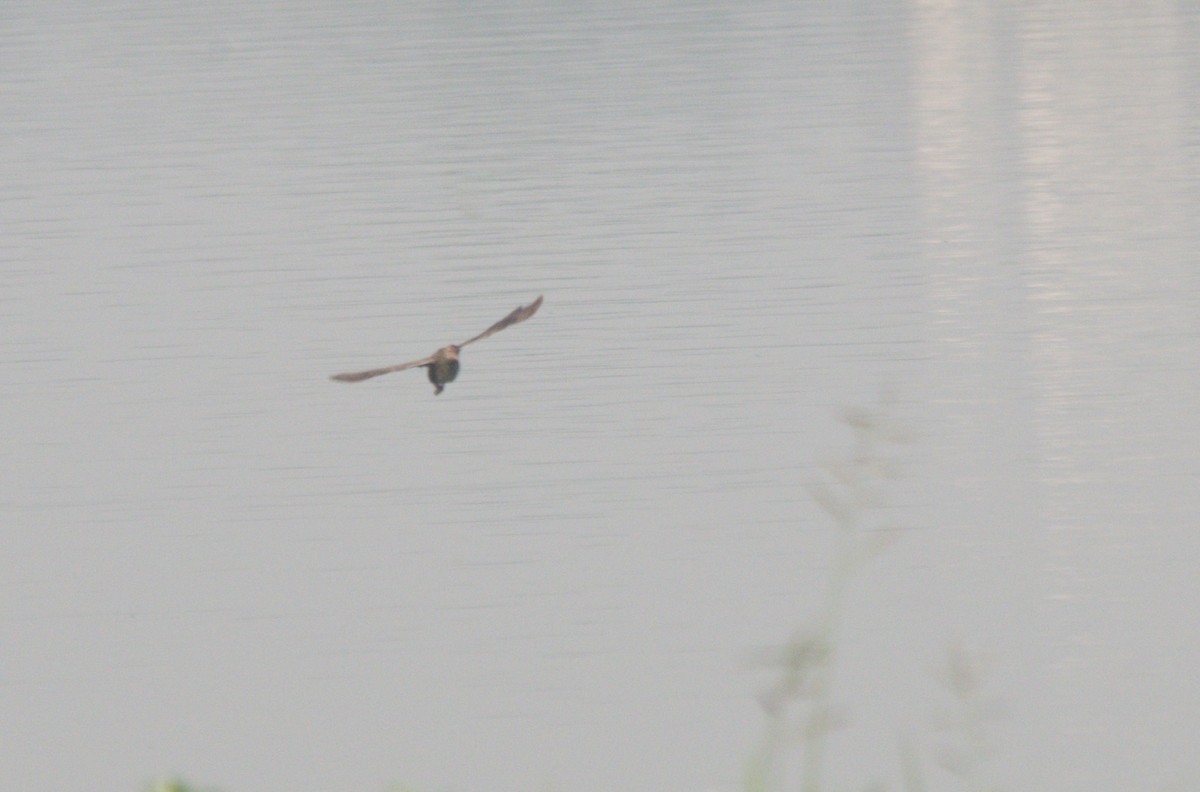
[746, 220]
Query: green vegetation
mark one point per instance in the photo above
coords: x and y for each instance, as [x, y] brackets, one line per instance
[174, 785]
[800, 711]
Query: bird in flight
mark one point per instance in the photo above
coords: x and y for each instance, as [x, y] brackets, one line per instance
[442, 366]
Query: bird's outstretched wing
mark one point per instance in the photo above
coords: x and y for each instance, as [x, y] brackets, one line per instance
[359, 376]
[521, 313]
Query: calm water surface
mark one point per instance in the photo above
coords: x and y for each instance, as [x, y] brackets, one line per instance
[218, 563]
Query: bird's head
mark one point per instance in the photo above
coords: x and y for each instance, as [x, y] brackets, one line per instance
[452, 352]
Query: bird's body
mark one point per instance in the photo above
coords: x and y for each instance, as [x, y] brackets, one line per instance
[442, 366]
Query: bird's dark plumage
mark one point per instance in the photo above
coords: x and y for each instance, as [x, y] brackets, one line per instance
[442, 365]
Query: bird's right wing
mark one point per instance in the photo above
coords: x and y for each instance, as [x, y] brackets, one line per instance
[519, 314]
[359, 376]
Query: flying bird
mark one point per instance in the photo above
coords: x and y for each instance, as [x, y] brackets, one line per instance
[442, 366]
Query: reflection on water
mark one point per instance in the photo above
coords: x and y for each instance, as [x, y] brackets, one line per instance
[1071, 226]
[742, 220]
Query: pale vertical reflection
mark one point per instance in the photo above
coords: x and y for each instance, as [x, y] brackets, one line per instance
[950, 133]
[1092, 128]
[973, 296]
[958, 167]
[1095, 115]
[1051, 160]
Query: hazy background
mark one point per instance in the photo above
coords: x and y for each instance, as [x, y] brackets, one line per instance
[744, 218]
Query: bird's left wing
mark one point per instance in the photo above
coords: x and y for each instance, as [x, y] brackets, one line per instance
[359, 376]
